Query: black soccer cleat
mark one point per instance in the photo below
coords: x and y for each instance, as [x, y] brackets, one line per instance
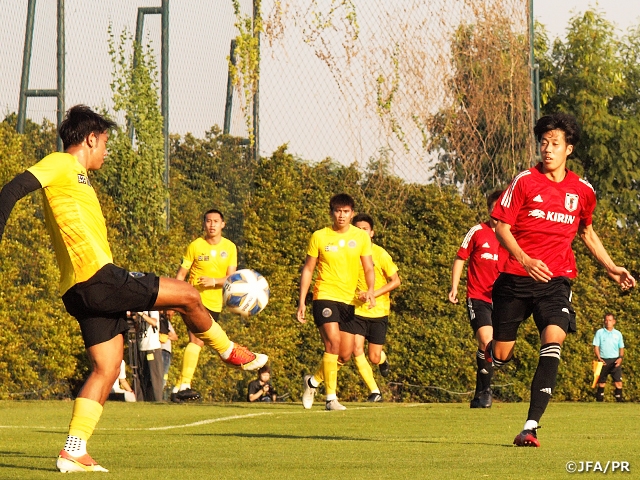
[374, 398]
[384, 368]
[186, 395]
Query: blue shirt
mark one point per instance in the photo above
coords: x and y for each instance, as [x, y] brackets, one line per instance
[609, 342]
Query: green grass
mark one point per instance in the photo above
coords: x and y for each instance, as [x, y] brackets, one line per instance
[282, 441]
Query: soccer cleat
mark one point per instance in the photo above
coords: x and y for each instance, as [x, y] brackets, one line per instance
[186, 395]
[384, 368]
[475, 403]
[374, 397]
[527, 438]
[334, 405]
[243, 358]
[67, 463]
[308, 393]
[488, 353]
[485, 399]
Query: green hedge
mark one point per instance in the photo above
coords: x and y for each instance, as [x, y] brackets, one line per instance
[271, 209]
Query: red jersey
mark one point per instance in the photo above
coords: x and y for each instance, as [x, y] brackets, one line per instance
[544, 218]
[480, 246]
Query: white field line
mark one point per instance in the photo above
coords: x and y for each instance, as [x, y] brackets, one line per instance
[187, 425]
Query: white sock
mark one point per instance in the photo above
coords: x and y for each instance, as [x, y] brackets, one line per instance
[530, 425]
[75, 446]
[176, 389]
[184, 386]
[227, 352]
[332, 397]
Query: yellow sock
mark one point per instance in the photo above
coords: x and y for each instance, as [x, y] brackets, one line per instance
[330, 370]
[318, 377]
[189, 362]
[215, 337]
[84, 418]
[383, 357]
[366, 372]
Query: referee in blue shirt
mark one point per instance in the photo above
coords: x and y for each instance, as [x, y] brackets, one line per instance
[609, 349]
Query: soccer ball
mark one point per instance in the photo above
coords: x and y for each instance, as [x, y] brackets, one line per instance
[245, 292]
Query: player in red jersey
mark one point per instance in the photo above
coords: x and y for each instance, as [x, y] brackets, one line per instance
[480, 246]
[538, 217]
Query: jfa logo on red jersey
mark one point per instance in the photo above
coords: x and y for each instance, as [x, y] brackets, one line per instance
[571, 202]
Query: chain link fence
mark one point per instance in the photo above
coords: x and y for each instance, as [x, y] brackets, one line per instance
[350, 80]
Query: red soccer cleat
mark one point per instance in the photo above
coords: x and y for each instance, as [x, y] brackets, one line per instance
[526, 438]
[67, 463]
[245, 359]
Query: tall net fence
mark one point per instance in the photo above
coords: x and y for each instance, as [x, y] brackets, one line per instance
[411, 82]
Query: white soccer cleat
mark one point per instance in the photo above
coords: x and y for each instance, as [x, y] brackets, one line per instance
[308, 394]
[334, 405]
[67, 463]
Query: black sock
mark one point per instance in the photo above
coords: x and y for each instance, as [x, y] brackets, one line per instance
[544, 380]
[484, 372]
[600, 394]
[617, 393]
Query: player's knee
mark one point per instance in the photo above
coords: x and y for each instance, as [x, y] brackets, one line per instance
[374, 357]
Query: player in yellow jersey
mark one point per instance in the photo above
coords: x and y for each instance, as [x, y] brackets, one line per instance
[208, 261]
[95, 291]
[339, 252]
[370, 323]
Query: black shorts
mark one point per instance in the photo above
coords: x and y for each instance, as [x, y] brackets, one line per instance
[515, 298]
[609, 368]
[329, 311]
[479, 313]
[100, 304]
[373, 329]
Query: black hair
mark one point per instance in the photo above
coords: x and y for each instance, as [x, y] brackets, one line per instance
[559, 121]
[493, 197]
[363, 217]
[80, 122]
[341, 200]
[213, 210]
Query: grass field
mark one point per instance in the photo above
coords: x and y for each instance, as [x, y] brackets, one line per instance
[282, 441]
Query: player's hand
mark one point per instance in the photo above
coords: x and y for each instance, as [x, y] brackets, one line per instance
[453, 295]
[207, 282]
[537, 270]
[370, 298]
[301, 313]
[618, 362]
[622, 277]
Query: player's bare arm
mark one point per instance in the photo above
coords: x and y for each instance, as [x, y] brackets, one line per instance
[305, 282]
[210, 282]
[393, 282]
[370, 277]
[456, 273]
[620, 274]
[536, 269]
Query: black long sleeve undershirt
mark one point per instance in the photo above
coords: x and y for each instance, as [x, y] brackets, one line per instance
[21, 185]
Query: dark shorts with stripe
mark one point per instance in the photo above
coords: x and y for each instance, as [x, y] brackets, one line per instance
[479, 313]
[100, 304]
[374, 330]
[515, 298]
[609, 368]
[330, 311]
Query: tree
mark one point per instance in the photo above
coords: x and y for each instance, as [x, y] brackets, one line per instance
[483, 137]
[595, 76]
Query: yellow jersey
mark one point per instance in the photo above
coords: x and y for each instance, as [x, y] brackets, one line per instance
[384, 267]
[205, 260]
[73, 218]
[339, 262]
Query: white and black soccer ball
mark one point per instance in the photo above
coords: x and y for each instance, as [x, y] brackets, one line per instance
[245, 292]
